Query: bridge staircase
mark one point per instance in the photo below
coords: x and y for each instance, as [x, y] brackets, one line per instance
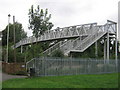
[71, 39]
[80, 44]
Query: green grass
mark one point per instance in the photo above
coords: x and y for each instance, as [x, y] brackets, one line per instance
[74, 81]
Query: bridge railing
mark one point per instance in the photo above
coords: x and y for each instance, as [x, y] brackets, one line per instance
[67, 32]
[79, 45]
[91, 39]
[77, 42]
[53, 48]
[66, 46]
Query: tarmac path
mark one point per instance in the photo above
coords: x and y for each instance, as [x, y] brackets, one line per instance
[7, 76]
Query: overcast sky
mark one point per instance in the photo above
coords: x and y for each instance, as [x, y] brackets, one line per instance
[64, 12]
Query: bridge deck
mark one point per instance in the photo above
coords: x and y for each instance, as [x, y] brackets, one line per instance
[66, 33]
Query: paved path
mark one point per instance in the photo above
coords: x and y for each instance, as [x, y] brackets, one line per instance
[6, 76]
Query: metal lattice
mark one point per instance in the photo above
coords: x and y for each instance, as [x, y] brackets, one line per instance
[72, 66]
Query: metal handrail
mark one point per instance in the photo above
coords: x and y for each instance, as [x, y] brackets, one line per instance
[48, 34]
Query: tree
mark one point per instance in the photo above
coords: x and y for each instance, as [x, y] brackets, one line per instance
[58, 53]
[19, 31]
[19, 56]
[112, 50]
[33, 51]
[39, 21]
[90, 52]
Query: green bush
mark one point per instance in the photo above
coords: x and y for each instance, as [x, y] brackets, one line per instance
[33, 51]
[57, 53]
[21, 73]
[19, 56]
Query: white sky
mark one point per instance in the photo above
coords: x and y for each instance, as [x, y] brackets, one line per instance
[64, 12]
[119, 25]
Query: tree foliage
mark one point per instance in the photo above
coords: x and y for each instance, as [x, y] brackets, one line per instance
[39, 21]
[90, 52]
[19, 33]
[58, 53]
[19, 56]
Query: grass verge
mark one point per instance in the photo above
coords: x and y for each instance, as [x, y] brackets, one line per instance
[73, 81]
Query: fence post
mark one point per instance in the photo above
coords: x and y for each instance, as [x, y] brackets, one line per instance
[117, 66]
[35, 66]
[71, 65]
[44, 66]
[41, 66]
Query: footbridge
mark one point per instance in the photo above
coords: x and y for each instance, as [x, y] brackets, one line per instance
[78, 37]
[59, 33]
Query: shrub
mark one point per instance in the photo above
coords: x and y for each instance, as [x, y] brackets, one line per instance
[19, 56]
[57, 53]
[20, 73]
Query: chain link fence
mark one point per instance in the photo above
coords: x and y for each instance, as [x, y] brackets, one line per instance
[71, 66]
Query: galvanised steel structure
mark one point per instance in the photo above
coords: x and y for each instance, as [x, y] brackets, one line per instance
[76, 38]
[71, 66]
[59, 33]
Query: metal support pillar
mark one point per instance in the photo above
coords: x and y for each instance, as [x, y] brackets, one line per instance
[108, 45]
[26, 50]
[21, 49]
[96, 49]
[116, 55]
[7, 38]
[14, 39]
[104, 49]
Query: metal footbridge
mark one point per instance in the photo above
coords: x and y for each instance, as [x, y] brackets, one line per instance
[73, 38]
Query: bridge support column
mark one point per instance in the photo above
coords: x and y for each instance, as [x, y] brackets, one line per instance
[96, 49]
[21, 49]
[116, 52]
[108, 46]
[104, 49]
[26, 49]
